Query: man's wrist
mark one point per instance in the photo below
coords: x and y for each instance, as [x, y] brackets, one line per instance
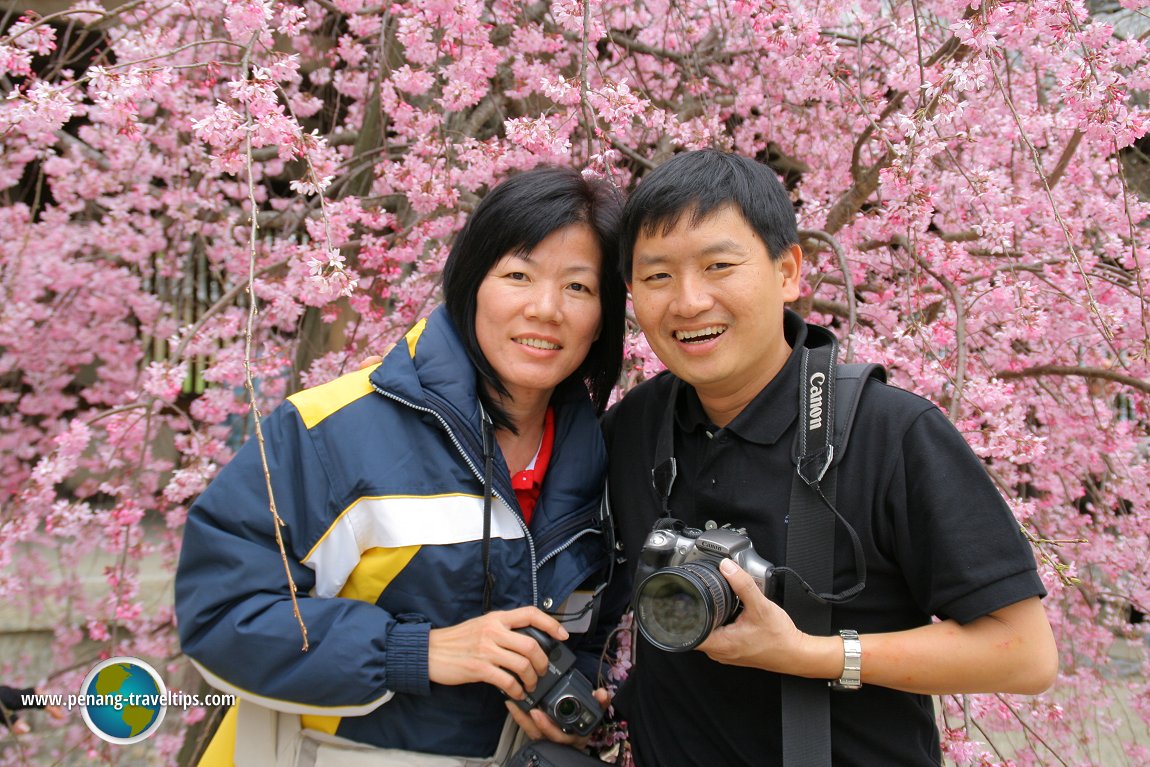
[851, 677]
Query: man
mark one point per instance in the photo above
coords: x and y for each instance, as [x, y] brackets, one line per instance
[13, 699]
[710, 253]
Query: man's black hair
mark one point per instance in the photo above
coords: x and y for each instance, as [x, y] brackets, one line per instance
[514, 217]
[700, 183]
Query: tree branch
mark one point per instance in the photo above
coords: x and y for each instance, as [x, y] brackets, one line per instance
[848, 280]
[1082, 372]
[1064, 160]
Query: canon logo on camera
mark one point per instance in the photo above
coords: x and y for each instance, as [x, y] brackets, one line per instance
[706, 545]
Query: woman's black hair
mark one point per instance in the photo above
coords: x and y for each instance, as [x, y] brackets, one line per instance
[514, 217]
[700, 183]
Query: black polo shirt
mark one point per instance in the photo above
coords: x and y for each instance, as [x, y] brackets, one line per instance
[938, 538]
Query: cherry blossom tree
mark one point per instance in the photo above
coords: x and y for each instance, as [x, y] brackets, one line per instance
[206, 205]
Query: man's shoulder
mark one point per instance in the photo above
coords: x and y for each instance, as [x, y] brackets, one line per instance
[891, 399]
[887, 413]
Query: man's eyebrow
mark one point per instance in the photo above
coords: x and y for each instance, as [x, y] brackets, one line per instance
[652, 259]
[725, 245]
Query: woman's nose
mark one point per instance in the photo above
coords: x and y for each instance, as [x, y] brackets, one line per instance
[544, 304]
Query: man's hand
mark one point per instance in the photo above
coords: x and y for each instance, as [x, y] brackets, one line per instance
[1009, 650]
[12, 703]
[763, 636]
[538, 726]
[488, 649]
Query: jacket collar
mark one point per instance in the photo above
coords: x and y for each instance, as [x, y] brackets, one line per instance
[429, 367]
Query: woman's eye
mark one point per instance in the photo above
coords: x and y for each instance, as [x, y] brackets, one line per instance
[517, 276]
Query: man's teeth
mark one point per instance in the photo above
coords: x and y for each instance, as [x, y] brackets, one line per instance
[702, 334]
[537, 343]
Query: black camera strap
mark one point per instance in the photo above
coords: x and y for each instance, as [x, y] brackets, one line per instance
[820, 442]
[488, 458]
[828, 398]
[825, 387]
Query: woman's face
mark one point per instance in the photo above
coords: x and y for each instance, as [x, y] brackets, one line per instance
[537, 314]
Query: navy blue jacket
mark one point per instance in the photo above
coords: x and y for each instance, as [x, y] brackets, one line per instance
[378, 479]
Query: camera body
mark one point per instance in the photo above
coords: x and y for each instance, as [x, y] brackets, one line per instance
[680, 595]
[563, 693]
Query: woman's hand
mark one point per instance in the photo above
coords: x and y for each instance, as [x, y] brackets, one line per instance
[538, 726]
[488, 649]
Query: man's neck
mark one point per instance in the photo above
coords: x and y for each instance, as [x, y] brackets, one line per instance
[723, 404]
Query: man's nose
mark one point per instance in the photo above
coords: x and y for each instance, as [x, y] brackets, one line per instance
[692, 297]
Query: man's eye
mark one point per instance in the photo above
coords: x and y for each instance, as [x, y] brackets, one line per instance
[721, 265]
[656, 276]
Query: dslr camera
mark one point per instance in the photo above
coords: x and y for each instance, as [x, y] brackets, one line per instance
[563, 693]
[681, 596]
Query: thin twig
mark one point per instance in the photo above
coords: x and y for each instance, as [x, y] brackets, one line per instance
[959, 326]
[249, 383]
[1091, 302]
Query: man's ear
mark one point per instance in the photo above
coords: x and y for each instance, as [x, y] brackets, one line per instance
[790, 268]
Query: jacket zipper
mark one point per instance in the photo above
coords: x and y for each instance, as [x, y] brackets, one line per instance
[566, 545]
[478, 475]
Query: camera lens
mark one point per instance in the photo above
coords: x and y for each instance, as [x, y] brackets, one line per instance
[567, 709]
[678, 607]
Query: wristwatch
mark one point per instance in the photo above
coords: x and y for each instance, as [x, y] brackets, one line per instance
[852, 662]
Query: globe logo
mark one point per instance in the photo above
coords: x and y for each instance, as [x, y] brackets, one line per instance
[123, 700]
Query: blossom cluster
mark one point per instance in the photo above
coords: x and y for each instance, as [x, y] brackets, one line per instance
[207, 205]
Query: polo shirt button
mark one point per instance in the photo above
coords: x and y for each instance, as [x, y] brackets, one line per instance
[547, 603]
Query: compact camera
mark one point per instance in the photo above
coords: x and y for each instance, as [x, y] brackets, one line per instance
[563, 693]
[681, 596]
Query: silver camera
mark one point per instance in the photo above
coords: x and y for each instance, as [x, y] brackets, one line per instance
[681, 596]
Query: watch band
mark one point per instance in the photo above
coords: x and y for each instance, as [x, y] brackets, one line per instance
[852, 662]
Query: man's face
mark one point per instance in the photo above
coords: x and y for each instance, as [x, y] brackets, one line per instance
[710, 301]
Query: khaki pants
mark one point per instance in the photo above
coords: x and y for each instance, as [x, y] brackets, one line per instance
[267, 738]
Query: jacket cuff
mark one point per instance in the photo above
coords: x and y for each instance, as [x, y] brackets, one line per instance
[407, 658]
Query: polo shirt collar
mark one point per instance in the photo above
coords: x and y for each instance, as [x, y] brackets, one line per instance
[766, 417]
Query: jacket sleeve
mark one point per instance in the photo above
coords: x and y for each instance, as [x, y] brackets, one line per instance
[233, 602]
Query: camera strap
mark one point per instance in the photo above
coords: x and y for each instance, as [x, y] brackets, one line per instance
[825, 387]
[829, 394]
[488, 458]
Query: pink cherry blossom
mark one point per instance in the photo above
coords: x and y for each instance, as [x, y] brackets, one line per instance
[969, 178]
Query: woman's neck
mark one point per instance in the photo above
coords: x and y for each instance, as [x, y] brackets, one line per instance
[527, 416]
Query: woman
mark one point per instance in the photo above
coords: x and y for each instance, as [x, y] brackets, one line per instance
[432, 504]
